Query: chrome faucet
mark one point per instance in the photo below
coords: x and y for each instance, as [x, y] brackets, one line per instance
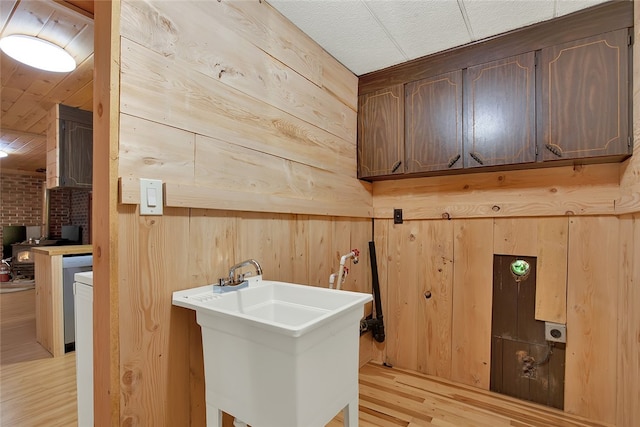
[233, 280]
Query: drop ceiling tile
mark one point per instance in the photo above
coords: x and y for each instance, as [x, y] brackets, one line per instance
[346, 29]
[564, 7]
[491, 17]
[422, 27]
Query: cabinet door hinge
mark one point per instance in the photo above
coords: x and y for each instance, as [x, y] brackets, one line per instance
[536, 150]
[630, 40]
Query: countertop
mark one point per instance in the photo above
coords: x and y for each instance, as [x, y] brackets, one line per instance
[63, 250]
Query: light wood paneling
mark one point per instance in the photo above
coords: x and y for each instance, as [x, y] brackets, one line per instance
[629, 201]
[49, 287]
[402, 327]
[49, 317]
[546, 239]
[154, 352]
[592, 305]
[260, 125]
[628, 342]
[419, 292]
[579, 190]
[383, 258]
[472, 294]
[155, 151]
[232, 60]
[105, 218]
[160, 353]
[435, 298]
[551, 286]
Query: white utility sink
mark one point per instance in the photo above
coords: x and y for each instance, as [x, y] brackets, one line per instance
[279, 354]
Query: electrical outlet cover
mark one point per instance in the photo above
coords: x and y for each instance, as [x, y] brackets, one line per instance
[556, 332]
[151, 200]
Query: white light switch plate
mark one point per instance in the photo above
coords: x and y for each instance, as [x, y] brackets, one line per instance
[151, 200]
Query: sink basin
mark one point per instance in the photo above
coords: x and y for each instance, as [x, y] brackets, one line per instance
[279, 354]
[286, 308]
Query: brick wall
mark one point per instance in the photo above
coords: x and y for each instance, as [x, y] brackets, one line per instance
[80, 200]
[68, 207]
[20, 201]
[21, 204]
[59, 211]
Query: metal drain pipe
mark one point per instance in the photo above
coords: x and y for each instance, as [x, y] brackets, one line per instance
[375, 325]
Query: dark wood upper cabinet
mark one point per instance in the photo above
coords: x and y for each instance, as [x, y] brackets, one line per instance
[381, 132]
[76, 147]
[553, 93]
[69, 147]
[500, 123]
[433, 123]
[585, 98]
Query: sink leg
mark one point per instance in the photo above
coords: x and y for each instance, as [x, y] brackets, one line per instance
[350, 413]
[214, 416]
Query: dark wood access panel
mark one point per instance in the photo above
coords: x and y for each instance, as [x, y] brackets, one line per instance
[521, 363]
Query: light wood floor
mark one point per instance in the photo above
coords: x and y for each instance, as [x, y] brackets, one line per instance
[37, 390]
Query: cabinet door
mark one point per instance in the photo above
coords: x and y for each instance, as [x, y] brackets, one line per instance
[433, 121]
[381, 132]
[500, 112]
[76, 147]
[585, 98]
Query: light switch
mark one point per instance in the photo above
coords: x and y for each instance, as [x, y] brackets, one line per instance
[152, 200]
[150, 196]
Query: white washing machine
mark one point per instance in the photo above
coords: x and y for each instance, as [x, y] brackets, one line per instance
[83, 304]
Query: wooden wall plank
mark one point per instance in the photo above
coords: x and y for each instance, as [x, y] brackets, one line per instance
[234, 62]
[339, 81]
[381, 239]
[178, 195]
[155, 352]
[546, 239]
[629, 201]
[155, 151]
[580, 190]
[472, 294]
[320, 251]
[435, 298]
[551, 285]
[628, 342]
[212, 245]
[404, 241]
[300, 273]
[201, 104]
[268, 239]
[229, 166]
[105, 217]
[592, 304]
[515, 236]
[256, 22]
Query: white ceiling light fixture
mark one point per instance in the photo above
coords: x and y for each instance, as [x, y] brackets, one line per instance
[37, 53]
[3, 154]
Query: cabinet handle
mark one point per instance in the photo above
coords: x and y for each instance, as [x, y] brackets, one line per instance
[453, 161]
[554, 149]
[396, 166]
[475, 157]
